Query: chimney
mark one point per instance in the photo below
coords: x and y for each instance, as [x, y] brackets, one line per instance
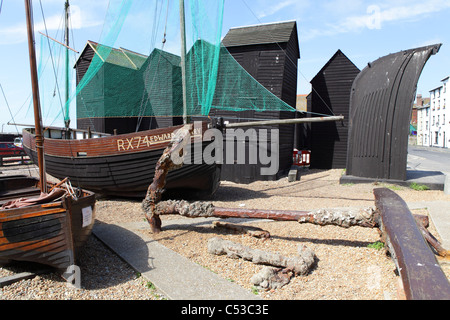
[419, 100]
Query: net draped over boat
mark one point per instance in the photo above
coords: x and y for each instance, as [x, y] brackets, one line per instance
[145, 79]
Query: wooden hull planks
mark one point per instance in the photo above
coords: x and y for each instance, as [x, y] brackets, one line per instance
[46, 233]
[123, 165]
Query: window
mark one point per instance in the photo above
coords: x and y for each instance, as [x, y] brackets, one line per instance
[426, 125]
[433, 121]
[436, 137]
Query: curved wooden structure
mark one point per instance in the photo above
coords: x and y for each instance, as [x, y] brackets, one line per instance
[48, 230]
[122, 165]
[381, 101]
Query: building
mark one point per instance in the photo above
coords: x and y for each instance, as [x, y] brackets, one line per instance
[269, 53]
[423, 125]
[439, 116]
[302, 102]
[421, 119]
[330, 95]
[102, 107]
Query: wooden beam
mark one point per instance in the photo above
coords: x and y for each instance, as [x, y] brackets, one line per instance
[421, 274]
[283, 121]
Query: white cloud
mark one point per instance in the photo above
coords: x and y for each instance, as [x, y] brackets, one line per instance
[379, 14]
[13, 35]
[81, 17]
[269, 8]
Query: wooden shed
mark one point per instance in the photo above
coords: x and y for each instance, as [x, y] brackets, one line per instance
[130, 115]
[330, 95]
[269, 53]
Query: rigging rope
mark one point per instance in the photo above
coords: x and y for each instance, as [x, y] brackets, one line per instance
[289, 58]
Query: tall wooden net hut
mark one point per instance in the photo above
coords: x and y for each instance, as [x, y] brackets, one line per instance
[330, 95]
[269, 53]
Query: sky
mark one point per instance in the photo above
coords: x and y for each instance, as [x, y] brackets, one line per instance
[363, 30]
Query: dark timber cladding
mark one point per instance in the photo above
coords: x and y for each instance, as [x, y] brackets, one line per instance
[380, 111]
[269, 53]
[331, 96]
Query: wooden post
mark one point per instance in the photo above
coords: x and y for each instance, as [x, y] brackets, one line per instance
[183, 60]
[36, 99]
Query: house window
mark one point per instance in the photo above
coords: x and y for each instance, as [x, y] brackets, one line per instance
[436, 137]
[426, 125]
[433, 121]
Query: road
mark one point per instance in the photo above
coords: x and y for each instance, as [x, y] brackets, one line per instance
[429, 159]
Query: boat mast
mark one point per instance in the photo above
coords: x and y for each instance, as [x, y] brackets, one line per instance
[66, 38]
[36, 100]
[183, 60]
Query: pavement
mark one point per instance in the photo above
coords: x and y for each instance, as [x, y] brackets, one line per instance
[440, 216]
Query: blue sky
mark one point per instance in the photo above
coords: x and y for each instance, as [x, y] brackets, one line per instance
[362, 30]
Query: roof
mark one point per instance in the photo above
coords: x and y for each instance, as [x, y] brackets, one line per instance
[121, 56]
[127, 58]
[278, 32]
[439, 87]
[338, 53]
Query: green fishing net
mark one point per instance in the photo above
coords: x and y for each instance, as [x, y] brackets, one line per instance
[136, 65]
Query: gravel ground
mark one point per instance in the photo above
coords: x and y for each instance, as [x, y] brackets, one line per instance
[346, 266]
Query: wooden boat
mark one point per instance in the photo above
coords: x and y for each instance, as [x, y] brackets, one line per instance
[48, 229]
[39, 221]
[120, 165]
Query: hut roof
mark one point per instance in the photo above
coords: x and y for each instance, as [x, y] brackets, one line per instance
[278, 32]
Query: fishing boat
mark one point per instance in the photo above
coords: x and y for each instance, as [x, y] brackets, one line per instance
[121, 165]
[40, 221]
[47, 228]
